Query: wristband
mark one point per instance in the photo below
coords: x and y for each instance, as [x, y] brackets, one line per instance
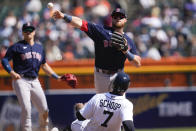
[67, 18]
[55, 76]
[129, 55]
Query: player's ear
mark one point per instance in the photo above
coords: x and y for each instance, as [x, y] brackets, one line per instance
[33, 32]
[125, 20]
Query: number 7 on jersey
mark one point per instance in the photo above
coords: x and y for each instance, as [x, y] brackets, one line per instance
[110, 114]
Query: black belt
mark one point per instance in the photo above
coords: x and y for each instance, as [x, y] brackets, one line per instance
[109, 72]
[29, 77]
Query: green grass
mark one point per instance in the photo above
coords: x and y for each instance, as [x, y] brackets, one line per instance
[169, 129]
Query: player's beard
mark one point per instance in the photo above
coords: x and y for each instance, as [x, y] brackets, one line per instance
[118, 25]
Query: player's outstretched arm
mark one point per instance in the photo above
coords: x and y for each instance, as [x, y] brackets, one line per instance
[70, 79]
[73, 20]
[49, 71]
[128, 125]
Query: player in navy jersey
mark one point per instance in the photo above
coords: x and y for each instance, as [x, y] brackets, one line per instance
[28, 56]
[108, 60]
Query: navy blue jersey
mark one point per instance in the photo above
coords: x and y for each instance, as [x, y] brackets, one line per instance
[26, 58]
[106, 56]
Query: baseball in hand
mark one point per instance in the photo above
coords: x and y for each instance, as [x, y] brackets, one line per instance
[50, 5]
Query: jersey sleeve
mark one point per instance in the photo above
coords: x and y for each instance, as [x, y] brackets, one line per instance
[88, 109]
[132, 46]
[127, 112]
[44, 57]
[91, 29]
[10, 53]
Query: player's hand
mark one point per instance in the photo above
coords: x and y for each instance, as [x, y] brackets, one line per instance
[78, 106]
[137, 61]
[57, 14]
[15, 75]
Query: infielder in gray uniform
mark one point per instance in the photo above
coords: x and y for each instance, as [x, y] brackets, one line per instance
[28, 56]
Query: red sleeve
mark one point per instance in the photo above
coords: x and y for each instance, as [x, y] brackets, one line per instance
[84, 26]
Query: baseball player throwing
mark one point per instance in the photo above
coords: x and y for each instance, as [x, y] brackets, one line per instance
[28, 57]
[112, 46]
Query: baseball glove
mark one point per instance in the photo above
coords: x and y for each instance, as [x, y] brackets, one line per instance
[119, 41]
[70, 79]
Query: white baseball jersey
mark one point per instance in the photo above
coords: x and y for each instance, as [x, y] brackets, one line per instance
[107, 112]
[79, 125]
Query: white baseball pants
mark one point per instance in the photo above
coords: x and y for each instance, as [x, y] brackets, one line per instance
[103, 81]
[79, 125]
[28, 90]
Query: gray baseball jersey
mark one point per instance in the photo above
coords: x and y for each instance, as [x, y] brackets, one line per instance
[107, 112]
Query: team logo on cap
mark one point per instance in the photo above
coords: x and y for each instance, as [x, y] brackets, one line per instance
[28, 24]
[118, 10]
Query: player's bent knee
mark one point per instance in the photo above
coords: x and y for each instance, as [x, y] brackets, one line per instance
[75, 127]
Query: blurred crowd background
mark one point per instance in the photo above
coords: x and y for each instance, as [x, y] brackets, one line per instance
[159, 28]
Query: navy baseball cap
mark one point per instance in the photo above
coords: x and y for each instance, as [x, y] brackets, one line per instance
[119, 11]
[28, 27]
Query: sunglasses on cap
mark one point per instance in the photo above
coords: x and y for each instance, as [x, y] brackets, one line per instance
[26, 30]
